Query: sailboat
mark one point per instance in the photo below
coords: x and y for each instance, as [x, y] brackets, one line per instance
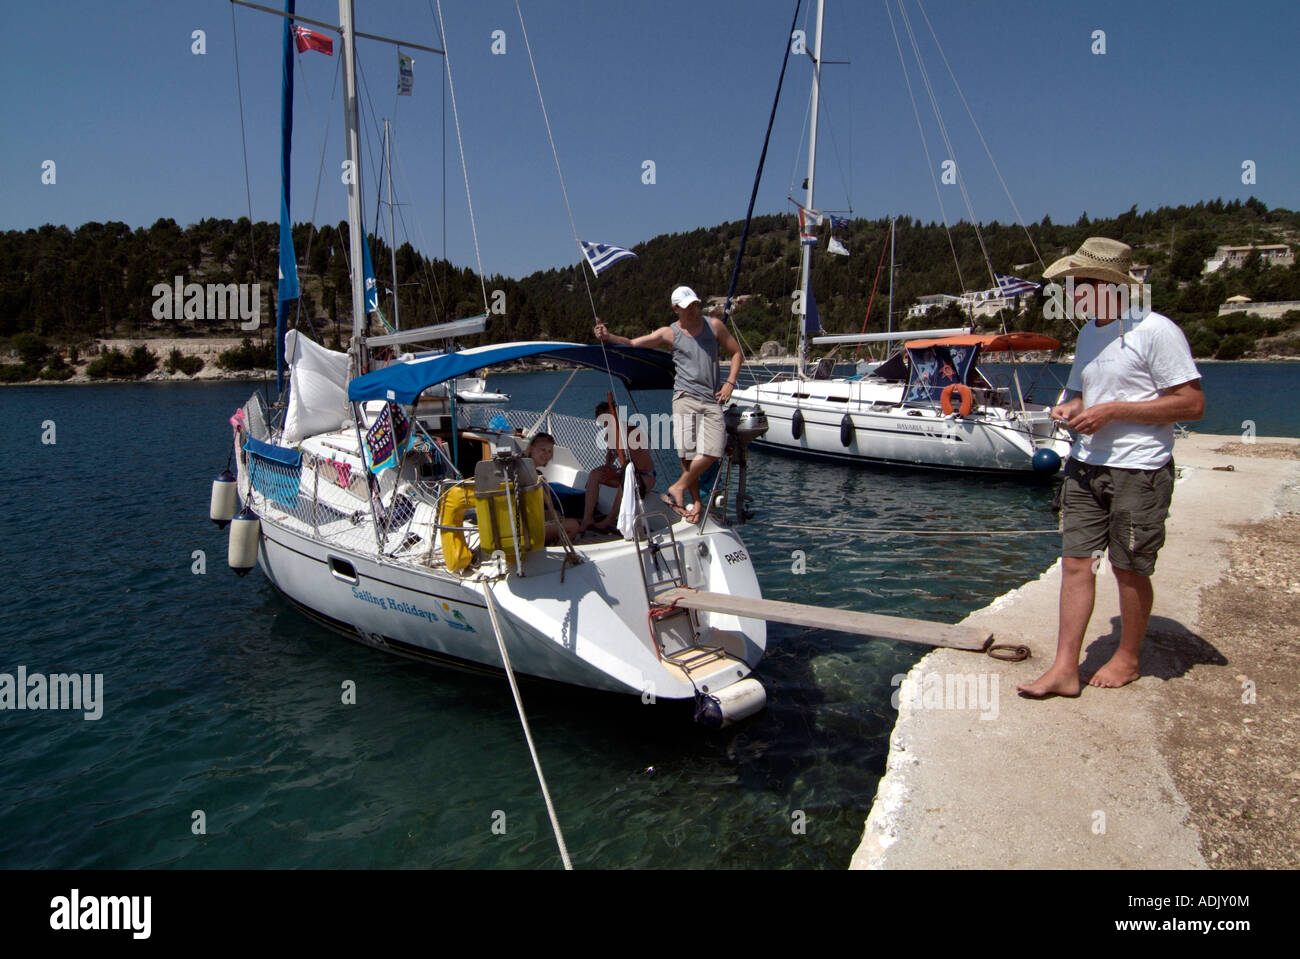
[928, 406]
[419, 526]
[469, 389]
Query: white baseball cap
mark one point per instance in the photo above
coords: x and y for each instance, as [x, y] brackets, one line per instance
[684, 296]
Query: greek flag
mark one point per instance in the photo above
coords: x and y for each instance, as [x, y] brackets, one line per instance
[1014, 286]
[601, 256]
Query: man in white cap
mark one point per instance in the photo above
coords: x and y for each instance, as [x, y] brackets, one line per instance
[697, 415]
[1133, 377]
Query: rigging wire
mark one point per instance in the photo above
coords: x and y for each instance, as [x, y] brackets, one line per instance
[320, 172]
[248, 191]
[243, 139]
[925, 145]
[758, 176]
[432, 287]
[582, 266]
[1007, 190]
[455, 112]
[555, 153]
[943, 132]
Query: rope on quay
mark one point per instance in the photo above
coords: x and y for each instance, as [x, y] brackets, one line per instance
[914, 532]
[528, 733]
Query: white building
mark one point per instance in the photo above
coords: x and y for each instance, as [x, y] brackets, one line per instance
[1232, 257]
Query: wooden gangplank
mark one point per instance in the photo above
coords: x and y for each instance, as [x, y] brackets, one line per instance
[824, 617]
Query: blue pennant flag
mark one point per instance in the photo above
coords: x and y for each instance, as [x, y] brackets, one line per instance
[812, 321]
[288, 286]
[601, 256]
[372, 288]
[839, 222]
[1014, 286]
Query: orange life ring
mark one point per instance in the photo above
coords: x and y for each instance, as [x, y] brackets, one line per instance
[962, 390]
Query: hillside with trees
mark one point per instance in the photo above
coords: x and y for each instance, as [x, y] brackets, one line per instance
[68, 288]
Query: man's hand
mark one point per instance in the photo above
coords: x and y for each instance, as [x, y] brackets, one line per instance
[1067, 410]
[601, 332]
[724, 392]
[1093, 418]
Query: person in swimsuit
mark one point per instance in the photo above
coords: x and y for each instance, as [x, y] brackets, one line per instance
[611, 474]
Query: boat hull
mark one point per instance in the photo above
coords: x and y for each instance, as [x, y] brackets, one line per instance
[897, 435]
[592, 634]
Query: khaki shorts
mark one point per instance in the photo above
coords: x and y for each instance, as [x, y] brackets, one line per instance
[699, 426]
[1123, 509]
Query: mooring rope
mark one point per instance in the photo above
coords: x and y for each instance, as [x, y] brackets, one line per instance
[523, 718]
[913, 532]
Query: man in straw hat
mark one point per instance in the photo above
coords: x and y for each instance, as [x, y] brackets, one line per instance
[1133, 377]
[697, 390]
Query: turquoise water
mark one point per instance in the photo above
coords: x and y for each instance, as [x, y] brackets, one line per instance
[220, 698]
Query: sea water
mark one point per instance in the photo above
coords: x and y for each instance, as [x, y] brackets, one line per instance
[224, 739]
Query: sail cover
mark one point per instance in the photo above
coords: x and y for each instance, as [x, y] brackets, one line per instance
[318, 397]
[639, 368]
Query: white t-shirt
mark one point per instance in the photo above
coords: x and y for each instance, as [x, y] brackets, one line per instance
[1129, 360]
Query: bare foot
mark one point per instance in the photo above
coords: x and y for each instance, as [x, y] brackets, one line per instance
[1054, 682]
[676, 496]
[1117, 672]
[693, 514]
[675, 507]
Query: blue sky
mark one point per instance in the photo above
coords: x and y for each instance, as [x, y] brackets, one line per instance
[139, 127]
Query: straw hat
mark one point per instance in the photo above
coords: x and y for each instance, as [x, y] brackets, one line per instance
[1098, 259]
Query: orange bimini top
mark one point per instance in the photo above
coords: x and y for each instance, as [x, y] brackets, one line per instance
[993, 342]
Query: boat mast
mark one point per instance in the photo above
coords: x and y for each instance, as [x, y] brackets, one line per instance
[286, 286]
[392, 229]
[889, 320]
[806, 260]
[356, 229]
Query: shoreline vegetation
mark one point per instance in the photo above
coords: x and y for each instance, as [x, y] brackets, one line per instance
[63, 290]
[166, 360]
[198, 360]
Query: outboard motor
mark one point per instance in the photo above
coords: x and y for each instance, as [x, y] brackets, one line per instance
[744, 425]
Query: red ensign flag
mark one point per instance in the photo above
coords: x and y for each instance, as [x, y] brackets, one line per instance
[311, 40]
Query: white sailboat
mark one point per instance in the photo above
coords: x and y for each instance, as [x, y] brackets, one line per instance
[928, 406]
[418, 527]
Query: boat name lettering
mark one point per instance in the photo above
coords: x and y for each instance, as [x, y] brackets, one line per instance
[739, 556]
[390, 603]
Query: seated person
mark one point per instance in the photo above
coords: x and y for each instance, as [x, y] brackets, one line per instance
[540, 451]
[612, 475]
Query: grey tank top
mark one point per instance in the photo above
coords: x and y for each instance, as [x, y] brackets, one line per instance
[695, 360]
